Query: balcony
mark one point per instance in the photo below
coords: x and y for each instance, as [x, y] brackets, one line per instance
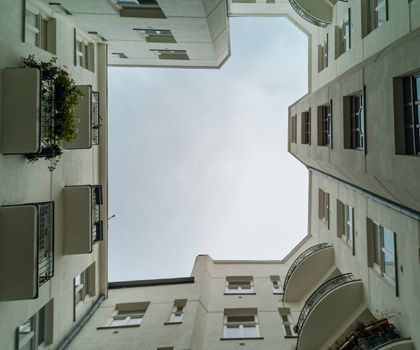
[26, 249]
[378, 335]
[309, 267]
[330, 305]
[317, 12]
[87, 115]
[83, 226]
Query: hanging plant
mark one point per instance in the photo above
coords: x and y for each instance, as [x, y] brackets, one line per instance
[59, 98]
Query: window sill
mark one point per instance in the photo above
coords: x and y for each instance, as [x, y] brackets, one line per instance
[253, 293]
[169, 323]
[253, 338]
[291, 336]
[122, 326]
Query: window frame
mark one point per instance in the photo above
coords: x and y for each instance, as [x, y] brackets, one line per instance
[413, 122]
[276, 285]
[325, 131]
[377, 251]
[324, 207]
[293, 122]
[177, 312]
[372, 17]
[42, 29]
[241, 325]
[127, 312]
[355, 121]
[287, 323]
[306, 127]
[239, 282]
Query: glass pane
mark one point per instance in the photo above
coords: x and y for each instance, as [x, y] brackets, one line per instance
[249, 331]
[381, 12]
[376, 245]
[41, 326]
[30, 37]
[78, 280]
[177, 317]
[135, 320]
[44, 34]
[118, 322]
[407, 89]
[388, 240]
[417, 88]
[31, 18]
[389, 268]
[26, 327]
[288, 331]
[232, 332]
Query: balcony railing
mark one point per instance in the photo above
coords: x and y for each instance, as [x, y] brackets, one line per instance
[307, 16]
[97, 223]
[45, 242]
[372, 336]
[95, 118]
[300, 258]
[316, 296]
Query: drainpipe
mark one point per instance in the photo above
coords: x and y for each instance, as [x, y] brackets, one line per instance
[78, 327]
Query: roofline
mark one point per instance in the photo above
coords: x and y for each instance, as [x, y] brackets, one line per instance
[150, 283]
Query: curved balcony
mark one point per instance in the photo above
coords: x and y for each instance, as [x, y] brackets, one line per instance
[317, 12]
[308, 268]
[333, 303]
[378, 335]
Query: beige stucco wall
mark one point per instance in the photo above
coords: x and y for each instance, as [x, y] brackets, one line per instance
[22, 182]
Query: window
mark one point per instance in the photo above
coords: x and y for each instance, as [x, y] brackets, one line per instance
[38, 29]
[239, 285]
[345, 223]
[323, 55]
[306, 127]
[325, 125]
[177, 313]
[156, 35]
[83, 52]
[127, 315]
[376, 14]
[83, 286]
[287, 323]
[343, 36]
[140, 9]
[277, 288]
[354, 121]
[241, 324]
[293, 121]
[382, 251]
[407, 114]
[324, 207]
[37, 331]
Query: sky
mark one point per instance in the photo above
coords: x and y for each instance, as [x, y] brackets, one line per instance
[198, 160]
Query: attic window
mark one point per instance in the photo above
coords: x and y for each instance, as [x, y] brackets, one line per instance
[171, 54]
[140, 9]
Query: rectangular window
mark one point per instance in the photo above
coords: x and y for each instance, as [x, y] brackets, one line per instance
[241, 324]
[343, 36]
[324, 207]
[140, 9]
[83, 287]
[306, 127]
[286, 320]
[382, 251]
[376, 14]
[354, 121]
[410, 111]
[325, 125]
[127, 315]
[239, 285]
[323, 55]
[345, 223]
[39, 29]
[293, 121]
[177, 313]
[84, 52]
[36, 333]
[277, 287]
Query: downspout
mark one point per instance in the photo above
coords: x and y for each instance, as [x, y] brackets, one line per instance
[78, 327]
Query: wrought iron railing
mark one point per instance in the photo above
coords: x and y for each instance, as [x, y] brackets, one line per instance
[307, 16]
[372, 336]
[300, 258]
[45, 242]
[95, 118]
[97, 223]
[318, 295]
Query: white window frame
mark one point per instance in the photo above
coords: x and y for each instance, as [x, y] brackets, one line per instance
[241, 325]
[38, 29]
[277, 287]
[131, 315]
[128, 318]
[287, 323]
[349, 224]
[324, 207]
[236, 285]
[177, 312]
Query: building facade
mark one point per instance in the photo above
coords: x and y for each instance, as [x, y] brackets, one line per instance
[353, 280]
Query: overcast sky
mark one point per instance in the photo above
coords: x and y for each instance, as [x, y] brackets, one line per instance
[198, 160]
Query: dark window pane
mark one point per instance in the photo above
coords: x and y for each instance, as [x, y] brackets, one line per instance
[418, 88]
[407, 89]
